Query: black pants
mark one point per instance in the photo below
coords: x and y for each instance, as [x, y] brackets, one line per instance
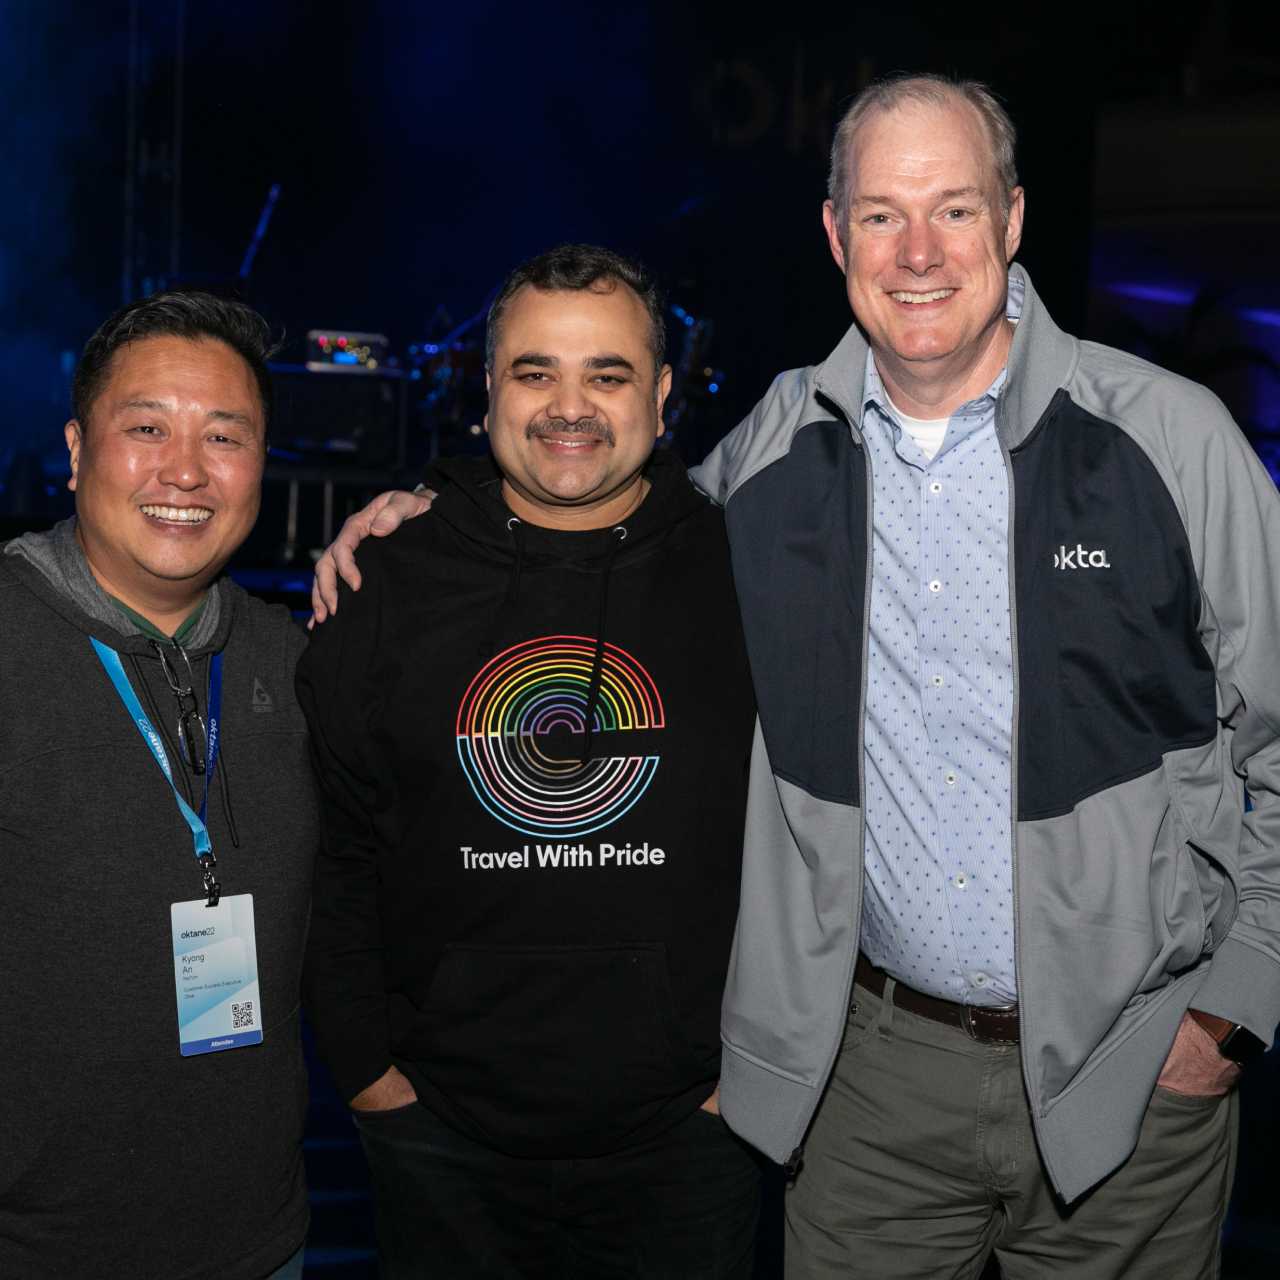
[681, 1207]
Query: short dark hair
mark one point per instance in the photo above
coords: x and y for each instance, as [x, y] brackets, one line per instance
[176, 313]
[573, 267]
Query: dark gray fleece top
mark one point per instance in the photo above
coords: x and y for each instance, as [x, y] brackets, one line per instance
[118, 1157]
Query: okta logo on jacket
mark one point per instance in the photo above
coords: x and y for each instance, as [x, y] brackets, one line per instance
[1080, 557]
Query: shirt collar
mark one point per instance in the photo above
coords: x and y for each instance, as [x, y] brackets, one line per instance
[969, 415]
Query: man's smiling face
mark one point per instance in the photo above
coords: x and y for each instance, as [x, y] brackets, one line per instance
[167, 472]
[574, 404]
[926, 245]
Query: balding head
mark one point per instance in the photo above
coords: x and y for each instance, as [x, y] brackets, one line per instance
[935, 91]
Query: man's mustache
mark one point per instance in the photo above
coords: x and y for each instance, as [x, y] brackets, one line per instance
[593, 427]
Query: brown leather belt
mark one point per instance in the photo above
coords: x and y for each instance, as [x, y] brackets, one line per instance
[990, 1026]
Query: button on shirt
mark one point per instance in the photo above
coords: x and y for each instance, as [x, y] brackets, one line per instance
[938, 897]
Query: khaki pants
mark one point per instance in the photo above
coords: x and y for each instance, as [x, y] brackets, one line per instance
[922, 1161]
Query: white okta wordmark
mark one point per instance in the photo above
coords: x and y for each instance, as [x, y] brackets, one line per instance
[1078, 557]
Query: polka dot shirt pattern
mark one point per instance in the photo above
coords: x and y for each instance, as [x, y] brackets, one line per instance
[938, 897]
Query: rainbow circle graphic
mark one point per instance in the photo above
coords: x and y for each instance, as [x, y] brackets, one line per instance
[526, 693]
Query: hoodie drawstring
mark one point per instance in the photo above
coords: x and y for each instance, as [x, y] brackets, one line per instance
[224, 789]
[515, 525]
[597, 665]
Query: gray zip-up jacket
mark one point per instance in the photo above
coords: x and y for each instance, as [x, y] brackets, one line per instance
[1144, 567]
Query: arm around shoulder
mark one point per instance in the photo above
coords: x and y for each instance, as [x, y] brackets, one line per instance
[382, 516]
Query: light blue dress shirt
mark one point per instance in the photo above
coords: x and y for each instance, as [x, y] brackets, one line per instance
[938, 899]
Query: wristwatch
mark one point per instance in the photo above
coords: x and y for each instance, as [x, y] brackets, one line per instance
[1236, 1043]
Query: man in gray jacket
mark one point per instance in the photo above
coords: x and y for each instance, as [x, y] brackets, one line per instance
[1012, 606]
[1009, 924]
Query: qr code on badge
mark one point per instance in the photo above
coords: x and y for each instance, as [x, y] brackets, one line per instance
[241, 1015]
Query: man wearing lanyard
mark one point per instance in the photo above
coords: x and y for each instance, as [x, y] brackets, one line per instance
[157, 830]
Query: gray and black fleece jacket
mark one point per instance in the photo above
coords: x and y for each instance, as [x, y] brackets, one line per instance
[1144, 566]
[119, 1157]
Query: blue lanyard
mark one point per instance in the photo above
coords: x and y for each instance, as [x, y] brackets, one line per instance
[203, 846]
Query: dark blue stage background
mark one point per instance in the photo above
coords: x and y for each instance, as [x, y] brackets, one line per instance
[420, 150]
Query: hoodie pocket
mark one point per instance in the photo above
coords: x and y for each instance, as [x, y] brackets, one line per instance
[574, 1047]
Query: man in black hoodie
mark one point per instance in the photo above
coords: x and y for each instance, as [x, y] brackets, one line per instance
[152, 1088]
[533, 726]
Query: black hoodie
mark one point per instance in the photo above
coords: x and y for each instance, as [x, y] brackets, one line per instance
[539, 944]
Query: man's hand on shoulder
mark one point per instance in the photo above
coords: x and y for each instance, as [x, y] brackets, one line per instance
[389, 1091]
[1195, 1066]
[384, 515]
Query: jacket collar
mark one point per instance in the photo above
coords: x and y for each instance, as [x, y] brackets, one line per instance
[53, 567]
[1041, 360]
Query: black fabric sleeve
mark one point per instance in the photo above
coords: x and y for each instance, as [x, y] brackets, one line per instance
[344, 984]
